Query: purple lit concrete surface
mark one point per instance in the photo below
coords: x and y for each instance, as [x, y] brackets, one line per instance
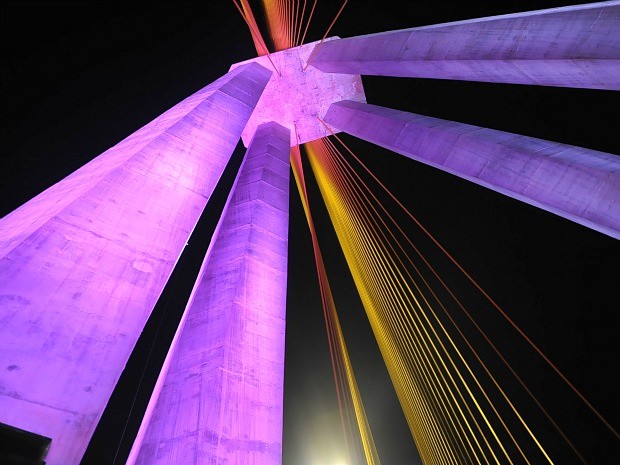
[219, 396]
[573, 46]
[578, 184]
[83, 263]
[295, 98]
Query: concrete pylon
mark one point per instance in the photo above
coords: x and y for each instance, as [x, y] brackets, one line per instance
[83, 264]
[579, 184]
[219, 396]
[574, 46]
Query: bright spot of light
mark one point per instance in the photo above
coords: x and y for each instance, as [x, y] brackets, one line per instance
[323, 440]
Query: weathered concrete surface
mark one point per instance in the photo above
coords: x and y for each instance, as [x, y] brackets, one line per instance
[574, 46]
[579, 184]
[219, 397]
[83, 263]
[294, 98]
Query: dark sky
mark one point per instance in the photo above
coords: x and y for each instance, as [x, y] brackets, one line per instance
[77, 77]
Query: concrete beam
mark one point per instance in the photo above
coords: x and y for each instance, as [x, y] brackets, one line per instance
[579, 184]
[219, 396]
[83, 263]
[574, 46]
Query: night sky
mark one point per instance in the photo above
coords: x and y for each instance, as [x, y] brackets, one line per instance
[78, 77]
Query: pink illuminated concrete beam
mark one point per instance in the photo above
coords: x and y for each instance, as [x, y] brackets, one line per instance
[574, 46]
[576, 183]
[83, 263]
[219, 397]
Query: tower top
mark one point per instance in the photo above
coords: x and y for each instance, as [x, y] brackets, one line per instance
[294, 98]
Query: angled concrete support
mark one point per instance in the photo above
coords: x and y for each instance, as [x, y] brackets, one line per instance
[219, 396]
[574, 46]
[83, 263]
[576, 183]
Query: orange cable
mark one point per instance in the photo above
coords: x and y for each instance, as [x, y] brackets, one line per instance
[327, 32]
[332, 326]
[303, 38]
[386, 227]
[473, 281]
[368, 214]
[301, 22]
[260, 37]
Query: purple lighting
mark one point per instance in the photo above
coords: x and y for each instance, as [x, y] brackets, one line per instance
[83, 263]
[219, 397]
[294, 98]
[573, 46]
[579, 184]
